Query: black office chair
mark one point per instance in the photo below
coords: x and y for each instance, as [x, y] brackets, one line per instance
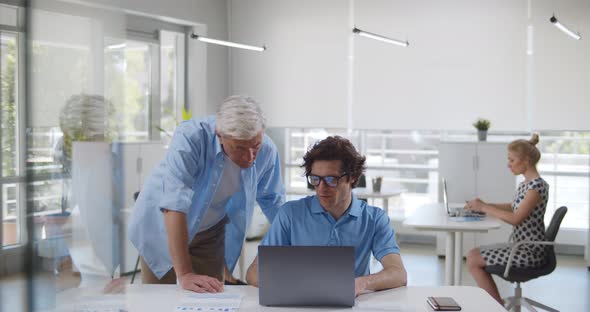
[519, 275]
[362, 181]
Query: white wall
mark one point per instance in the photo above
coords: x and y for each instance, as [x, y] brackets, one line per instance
[301, 80]
[561, 66]
[466, 59]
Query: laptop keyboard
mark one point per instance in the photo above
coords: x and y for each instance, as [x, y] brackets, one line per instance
[467, 213]
[471, 213]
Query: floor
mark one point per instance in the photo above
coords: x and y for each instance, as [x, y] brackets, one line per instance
[566, 289]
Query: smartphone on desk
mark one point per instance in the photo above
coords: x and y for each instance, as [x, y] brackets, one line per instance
[443, 304]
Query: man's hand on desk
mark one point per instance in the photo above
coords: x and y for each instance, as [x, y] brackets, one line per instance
[360, 285]
[200, 283]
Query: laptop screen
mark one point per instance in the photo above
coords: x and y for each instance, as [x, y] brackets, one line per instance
[306, 275]
[457, 211]
[445, 196]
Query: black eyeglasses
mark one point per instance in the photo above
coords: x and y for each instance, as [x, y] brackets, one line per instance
[331, 181]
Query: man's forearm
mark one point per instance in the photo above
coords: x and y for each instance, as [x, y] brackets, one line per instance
[386, 279]
[252, 273]
[393, 275]
[177, 233]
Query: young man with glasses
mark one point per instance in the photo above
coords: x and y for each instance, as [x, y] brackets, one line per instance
[335, 217]
[190, 219]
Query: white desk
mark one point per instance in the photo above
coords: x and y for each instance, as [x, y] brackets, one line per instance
[167, 297]
[432, 217]
[361, 192]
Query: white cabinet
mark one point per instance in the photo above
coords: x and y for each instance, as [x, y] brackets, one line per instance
[138, 161]
[104, 178]
[476, 169]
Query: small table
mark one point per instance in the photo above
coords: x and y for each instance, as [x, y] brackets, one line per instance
[360, 192]
[433, 217]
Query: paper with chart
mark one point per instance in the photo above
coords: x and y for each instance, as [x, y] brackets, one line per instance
[223, 302]
[107, 303]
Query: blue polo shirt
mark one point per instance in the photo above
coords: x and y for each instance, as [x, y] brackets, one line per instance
[187, 180]
[304, 222]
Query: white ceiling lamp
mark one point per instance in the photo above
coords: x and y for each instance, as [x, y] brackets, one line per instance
[562, 27]
[228, 43]
[380, 38]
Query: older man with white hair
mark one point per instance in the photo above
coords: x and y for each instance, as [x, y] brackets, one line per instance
[196, 206]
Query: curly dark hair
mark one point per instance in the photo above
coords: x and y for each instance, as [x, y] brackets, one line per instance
[336, 148]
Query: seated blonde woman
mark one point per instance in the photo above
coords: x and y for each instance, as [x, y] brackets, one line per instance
[525, 214]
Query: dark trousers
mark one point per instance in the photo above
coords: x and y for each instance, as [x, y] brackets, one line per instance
[207, 251]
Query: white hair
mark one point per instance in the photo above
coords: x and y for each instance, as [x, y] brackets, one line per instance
[240, 117]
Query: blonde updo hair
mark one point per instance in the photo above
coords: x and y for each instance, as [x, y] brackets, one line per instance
[526, 149]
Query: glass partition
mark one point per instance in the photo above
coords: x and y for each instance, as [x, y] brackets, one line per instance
[88, 93]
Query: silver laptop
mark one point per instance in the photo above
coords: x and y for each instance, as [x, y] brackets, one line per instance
[457, 211]
[306, 276]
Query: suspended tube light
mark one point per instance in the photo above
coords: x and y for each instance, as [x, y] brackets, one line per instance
[380, 38]
[228, 43]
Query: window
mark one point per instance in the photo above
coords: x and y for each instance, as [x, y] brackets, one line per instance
[172, 80]
[565, 166]
[143, 81]
[11, 176]
[410, 159]
[131, 98]
[143, 103]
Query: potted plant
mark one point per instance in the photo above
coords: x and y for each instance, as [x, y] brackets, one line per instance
[482, 125]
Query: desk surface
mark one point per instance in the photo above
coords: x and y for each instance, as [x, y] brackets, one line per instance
[167, 297]
[433, 217]
[361, 192]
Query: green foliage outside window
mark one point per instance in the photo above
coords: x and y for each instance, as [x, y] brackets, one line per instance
[9, 108]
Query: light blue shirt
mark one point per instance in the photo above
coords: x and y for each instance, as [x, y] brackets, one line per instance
[304, 222]
[186, 181]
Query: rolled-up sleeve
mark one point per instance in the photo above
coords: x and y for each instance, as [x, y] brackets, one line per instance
[270, 190]
[181, 166]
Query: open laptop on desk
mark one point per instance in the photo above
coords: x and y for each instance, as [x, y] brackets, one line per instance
[306, 276]
[457, 211]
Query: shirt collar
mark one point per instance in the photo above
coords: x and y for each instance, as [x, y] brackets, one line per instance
[355, 208]
[217, 144]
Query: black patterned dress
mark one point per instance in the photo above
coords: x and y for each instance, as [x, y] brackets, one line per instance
[532, 228]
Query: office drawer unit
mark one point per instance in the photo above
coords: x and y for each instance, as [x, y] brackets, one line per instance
[476, 169]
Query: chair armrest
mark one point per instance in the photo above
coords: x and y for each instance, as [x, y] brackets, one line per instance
[515, 248]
